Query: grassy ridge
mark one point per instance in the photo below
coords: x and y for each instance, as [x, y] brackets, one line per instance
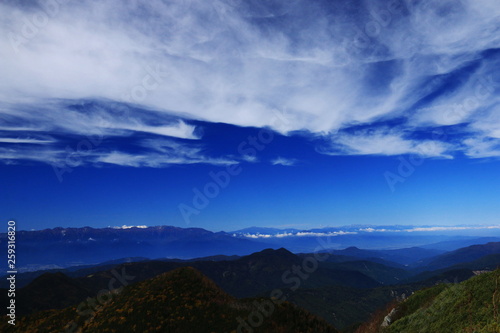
[470, 306]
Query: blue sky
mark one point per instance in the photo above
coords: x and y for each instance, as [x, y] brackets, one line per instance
[312, 113]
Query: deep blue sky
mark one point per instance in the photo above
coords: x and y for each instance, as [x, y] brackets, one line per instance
[319, 190]
[116, 114]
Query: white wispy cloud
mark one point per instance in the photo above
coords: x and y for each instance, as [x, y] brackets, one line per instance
[383, 142]
[178, 130]
[91, 124]
[86, 118]
[374, 229]
[482, 147]
[156, 153]
[428, 228]
[284, 161]
[25, 140]
[453, 228]
[156, 160]
[214, 61]
[131, 226]
[296, 234]
[489, 123]
[42, 154]
[249, 159]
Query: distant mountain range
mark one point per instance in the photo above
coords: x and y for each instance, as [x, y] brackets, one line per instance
[79, 246]
[65, 247]
[466, 254]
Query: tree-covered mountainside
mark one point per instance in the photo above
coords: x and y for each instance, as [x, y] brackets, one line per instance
[344, 293]
[180, 301]
[469, 306]
[50, 291]
[345, 307]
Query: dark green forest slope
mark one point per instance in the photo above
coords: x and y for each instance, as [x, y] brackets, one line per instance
[183, 300]
[470, 306]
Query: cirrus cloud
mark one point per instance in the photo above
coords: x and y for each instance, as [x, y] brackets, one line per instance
[331, 65]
